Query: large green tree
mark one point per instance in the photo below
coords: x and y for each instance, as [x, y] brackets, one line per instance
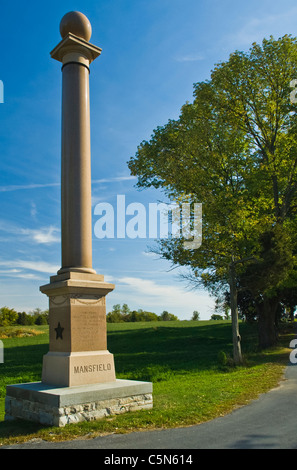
[253, 93]
[235, 150]
[200, 158]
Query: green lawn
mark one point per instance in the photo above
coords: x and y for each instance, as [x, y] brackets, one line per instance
[180, 358]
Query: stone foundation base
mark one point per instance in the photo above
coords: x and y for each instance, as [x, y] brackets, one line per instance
[52, 406]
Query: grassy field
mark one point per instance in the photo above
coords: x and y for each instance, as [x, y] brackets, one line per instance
[180, 358]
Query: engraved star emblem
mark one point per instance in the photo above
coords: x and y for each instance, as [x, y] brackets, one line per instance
[59, 330]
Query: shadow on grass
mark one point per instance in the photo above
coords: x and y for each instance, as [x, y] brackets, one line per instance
[22, 363]
[153, 352]
[17, 428]
[175, 348]
[165, 347]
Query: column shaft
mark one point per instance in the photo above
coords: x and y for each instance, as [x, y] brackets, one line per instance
[76, 170]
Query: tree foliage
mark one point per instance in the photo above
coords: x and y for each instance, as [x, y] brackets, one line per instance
[9, 316]
[235, 150]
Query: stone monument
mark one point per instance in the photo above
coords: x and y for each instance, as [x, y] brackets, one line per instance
[78, 350]
[78, 376]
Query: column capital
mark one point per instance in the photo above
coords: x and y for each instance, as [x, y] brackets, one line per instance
[77, 283]
[72, 44]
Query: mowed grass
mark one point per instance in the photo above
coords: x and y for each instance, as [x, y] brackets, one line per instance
[190, 386]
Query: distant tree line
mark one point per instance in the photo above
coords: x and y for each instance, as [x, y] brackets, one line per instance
[9, 316]
[124, 314]
[119, 314]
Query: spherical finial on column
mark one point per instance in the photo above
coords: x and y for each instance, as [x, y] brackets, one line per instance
[76, 23]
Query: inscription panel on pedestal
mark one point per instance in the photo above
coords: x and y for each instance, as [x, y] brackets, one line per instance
[77, 323]
[88, 324]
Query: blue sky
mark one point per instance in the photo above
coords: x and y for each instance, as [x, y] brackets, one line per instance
[153, 53]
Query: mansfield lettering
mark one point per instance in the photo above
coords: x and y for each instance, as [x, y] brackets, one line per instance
[91, 368]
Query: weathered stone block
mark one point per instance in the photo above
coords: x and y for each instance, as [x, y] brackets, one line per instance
[62, 406]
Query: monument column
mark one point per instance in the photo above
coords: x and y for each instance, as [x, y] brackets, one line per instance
[77, 312]
[76, 169]
[76, 54]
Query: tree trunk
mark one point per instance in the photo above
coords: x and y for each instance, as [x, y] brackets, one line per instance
[266, 323]
[291, 312]
[237, 356]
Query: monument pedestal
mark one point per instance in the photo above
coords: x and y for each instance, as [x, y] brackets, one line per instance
[78, 352]
[78, 375]
[71, 369]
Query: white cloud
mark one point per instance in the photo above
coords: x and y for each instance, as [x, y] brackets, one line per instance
[33, 210]
[28, 276]
[115, 179]
[15, 187]
[189, 58]
[152, 296]
[45, 235]
[151, 288]
[150, 254]
[18, 187]
[10, 271]
[39, 266]
[108, 278]
[255, 29]
[8, 227]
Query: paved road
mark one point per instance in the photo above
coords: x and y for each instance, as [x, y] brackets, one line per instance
[266, 423]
